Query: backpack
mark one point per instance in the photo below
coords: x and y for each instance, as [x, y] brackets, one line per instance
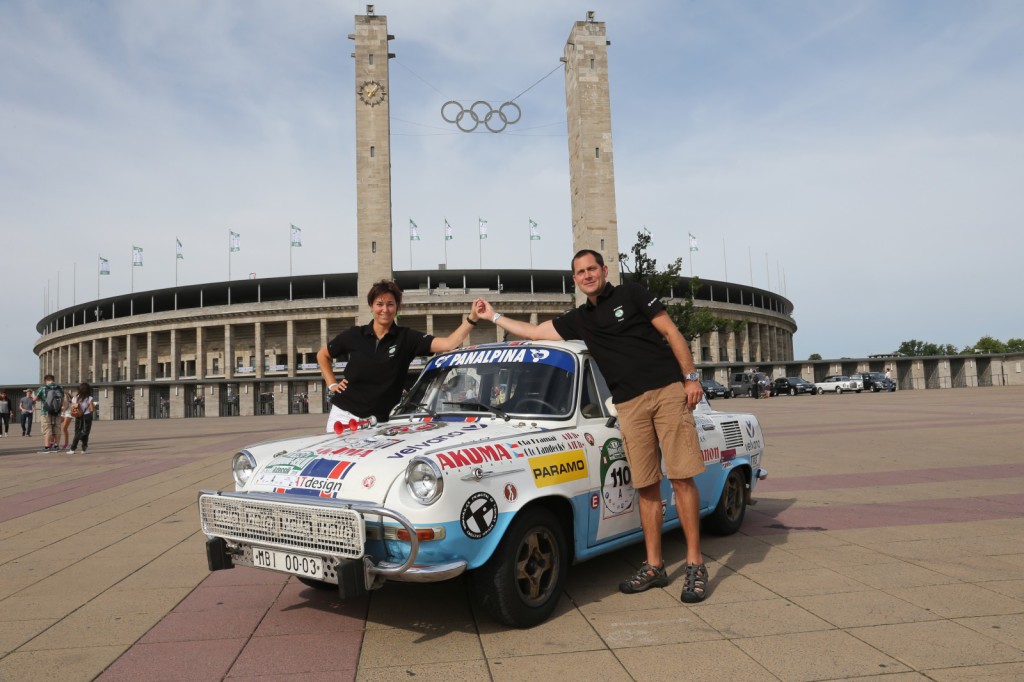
[54, 400]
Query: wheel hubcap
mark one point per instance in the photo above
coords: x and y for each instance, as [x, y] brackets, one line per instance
[536, 566]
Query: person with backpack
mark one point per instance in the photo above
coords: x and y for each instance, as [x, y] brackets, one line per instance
[50, 396]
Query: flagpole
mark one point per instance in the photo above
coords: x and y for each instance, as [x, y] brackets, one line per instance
[98, 256]
[74, 283]
[229, 254]
[725, 261]
[446, 243]
[290, 248]
[529, 236]
[175, 261]
[132, 263]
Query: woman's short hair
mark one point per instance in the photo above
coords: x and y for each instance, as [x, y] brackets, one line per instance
[385, 286]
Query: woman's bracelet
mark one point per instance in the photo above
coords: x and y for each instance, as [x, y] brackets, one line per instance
[331, 387]
[495, 318]
[472, 322]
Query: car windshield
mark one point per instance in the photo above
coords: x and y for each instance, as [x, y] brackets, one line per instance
[503, 381]
[797, 380]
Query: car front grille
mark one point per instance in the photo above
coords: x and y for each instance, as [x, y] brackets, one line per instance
[282, 524]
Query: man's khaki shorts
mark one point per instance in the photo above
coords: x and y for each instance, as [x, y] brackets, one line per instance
[49, 425]
[660, 416]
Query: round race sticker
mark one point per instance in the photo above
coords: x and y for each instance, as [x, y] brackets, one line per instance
[479, 515]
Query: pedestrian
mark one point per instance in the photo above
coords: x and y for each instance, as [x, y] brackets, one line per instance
[379, 355]
[655, 387]
[27, 405]
[82, 407]
[65, 422]
[51, 398]
[6, 409]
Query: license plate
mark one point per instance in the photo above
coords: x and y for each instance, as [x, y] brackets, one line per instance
[289, 562]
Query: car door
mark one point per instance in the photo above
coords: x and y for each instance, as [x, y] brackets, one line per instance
[612, 508]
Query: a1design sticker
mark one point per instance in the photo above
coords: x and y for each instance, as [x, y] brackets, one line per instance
[479, 515]
[616, 479]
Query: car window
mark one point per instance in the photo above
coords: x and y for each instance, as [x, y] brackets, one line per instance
[591, 404]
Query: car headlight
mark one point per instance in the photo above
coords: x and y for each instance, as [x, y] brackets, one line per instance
[424, 481]
[242, 466]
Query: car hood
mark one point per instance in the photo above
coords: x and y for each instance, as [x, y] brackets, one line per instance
[362, 466]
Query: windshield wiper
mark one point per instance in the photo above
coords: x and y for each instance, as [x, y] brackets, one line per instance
[489, 408]
[423, 407]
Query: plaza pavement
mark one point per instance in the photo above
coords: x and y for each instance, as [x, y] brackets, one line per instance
[888, 542]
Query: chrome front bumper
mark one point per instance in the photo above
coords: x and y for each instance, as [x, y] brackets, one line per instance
[334, 530]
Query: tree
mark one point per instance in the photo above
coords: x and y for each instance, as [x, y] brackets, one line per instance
[1015, 346]
[918, 348]
[987, 344]
[691, 320]
[814, 356]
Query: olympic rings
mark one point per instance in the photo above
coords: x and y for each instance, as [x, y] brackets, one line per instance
[476, 115]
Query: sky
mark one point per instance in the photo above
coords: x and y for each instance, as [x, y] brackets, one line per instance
[864, 159]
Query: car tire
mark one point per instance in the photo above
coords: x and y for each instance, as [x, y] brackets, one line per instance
[732, 506]
[792, 391]
[521, 583]
[728, 394]
[839, 390]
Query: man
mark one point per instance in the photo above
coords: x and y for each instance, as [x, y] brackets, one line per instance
[49, 418]
[26, 405]
[654, 384]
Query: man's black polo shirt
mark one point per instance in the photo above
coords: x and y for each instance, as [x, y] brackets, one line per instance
[376, 370]
[633, 356]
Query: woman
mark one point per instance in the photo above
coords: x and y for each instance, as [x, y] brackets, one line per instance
[82, 407]
[65, 422]
[5, 414]
[379, 355]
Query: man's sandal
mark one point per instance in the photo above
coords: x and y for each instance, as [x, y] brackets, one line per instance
[695, 583]
[646, 577]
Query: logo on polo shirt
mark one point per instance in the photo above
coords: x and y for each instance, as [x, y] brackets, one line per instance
[618, 312]
[391, 351]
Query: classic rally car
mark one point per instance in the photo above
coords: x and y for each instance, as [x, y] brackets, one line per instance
[503, 460]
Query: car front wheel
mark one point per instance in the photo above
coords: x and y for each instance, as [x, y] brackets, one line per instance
[521, 583]
[839, 389]
[732, 506]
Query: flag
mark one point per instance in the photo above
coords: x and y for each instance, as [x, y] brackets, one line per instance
[693, 243]
[448, 231]
[414, 231]
[296, 236]
[534, 232]
[483, 228]
[177, 248]
[234, 241]
[104, 266]
[136, 257]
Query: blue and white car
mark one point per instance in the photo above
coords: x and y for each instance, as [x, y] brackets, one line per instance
[504, 461]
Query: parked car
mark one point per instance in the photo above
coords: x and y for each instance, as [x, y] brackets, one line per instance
[875, 382]
[837, 384]
[513, 486]
[713, 389]
[794, 386]
[753, 384]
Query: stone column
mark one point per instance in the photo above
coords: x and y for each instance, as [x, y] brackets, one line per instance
[289, 334]
[94, 362]
[714, 344]
[130, 358]
[260, 359]
[200, 356]
[150, 356]
[175, 358]
[229, 354]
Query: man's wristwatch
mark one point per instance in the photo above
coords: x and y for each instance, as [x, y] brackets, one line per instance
[692, 376]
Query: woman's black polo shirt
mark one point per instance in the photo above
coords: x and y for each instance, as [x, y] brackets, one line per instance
[376, 370]
[632, 354]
